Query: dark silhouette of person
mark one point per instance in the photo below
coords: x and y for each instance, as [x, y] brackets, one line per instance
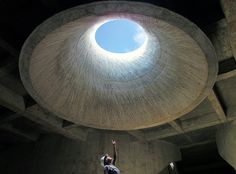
[109, 163]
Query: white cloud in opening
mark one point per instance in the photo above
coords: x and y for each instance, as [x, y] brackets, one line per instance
[140, 36]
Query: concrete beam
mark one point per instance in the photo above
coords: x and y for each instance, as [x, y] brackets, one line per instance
[216, 104]
[28, 135]
[187, 125]
[36, 111]
[53, 123]
[15, 102]
[11, 100]
[201, 122]
[159, 134]
[137, 134]
[76, 133]
[13, 84]
[68, 125]
[227, 69]
[226, 75]
[196, 144]
[9, 119]
[10, 49]
[6, 69]
[176, 124]
[231, 112]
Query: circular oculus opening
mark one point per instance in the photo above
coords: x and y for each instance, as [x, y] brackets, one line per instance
[120, 36]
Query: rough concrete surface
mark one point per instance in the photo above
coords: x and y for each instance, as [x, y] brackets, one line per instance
[226, 143]
[55, 154]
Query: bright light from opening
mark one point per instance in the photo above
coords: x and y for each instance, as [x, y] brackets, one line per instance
[120, 36]
[172, 165]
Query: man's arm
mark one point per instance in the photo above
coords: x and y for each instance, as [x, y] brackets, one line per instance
[114, 152]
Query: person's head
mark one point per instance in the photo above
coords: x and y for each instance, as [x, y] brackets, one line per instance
[106, 160]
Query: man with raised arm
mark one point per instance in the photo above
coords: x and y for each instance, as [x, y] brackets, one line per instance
[109, 163]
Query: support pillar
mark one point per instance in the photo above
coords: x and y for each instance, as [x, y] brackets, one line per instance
[226, 143]
[229, 9]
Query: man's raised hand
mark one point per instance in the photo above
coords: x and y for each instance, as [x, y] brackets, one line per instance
[113, 142]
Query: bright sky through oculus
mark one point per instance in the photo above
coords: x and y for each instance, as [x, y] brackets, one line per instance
[120, 36]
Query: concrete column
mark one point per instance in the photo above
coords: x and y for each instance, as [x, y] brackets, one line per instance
[229, 9]
[219, 36]
[226, 143]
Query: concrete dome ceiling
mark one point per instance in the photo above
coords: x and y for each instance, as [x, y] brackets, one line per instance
[65, 72]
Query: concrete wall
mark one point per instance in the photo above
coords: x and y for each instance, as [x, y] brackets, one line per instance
[16, 160]
[165, 171]
[226, 143]
[58, 155]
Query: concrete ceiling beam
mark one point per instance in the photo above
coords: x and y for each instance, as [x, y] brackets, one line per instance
[53, 123]
[10, 49]
[176, 124]
[138, 134]
[159, 134]
[12, 83]
[6, 69]
[191, 125]
[28, 135]
[9, 118]
[226, 75]
[196, 144]
[15, 102]
[68, 125]
[11, 100]
[216, 104]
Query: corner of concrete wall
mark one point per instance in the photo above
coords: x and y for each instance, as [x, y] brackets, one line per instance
[226, 143]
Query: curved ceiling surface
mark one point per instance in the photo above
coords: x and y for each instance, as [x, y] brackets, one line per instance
[66, 72]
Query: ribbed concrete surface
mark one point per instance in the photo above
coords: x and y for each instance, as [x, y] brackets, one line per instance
[67, 74]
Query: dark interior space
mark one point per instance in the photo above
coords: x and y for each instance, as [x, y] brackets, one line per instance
[32, 138]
